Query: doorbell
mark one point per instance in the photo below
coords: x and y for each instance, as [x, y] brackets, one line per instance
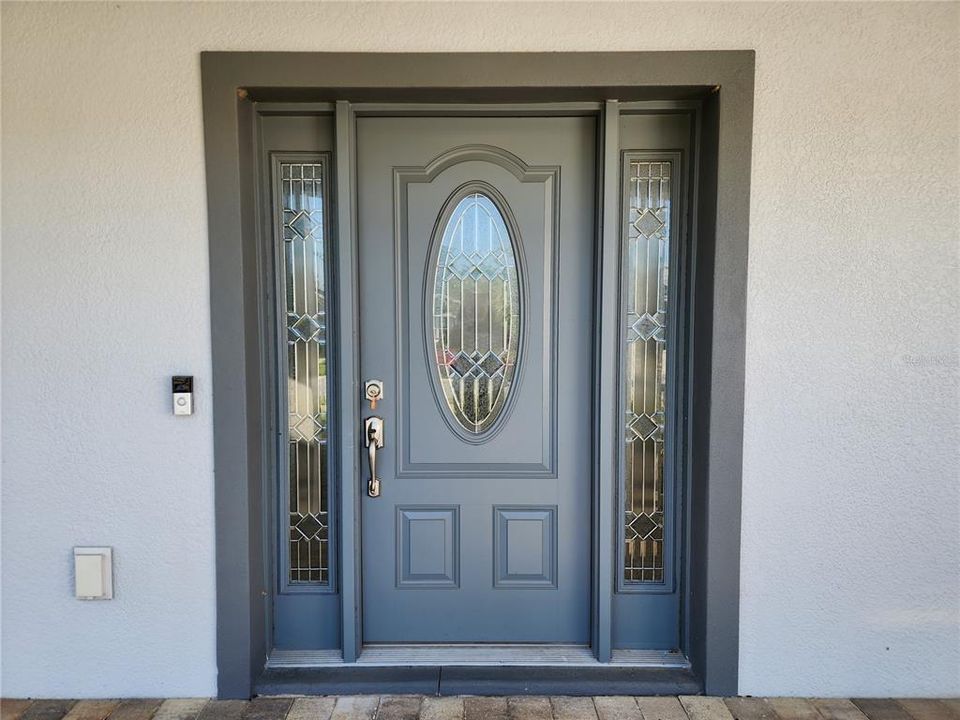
[183, 394]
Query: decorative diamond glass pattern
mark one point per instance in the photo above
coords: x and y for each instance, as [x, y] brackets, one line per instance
[303, 286]
[647, 245]
[476, 313]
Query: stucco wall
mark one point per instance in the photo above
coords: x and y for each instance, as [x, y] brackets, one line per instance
[851, 521]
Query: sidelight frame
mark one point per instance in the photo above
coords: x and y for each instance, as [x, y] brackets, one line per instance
[274, 161]
[721, 84]
[676, 373]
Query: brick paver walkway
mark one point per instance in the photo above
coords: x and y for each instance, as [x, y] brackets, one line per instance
[415, 707]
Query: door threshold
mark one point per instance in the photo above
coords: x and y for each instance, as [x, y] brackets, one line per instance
[479, 655]
[303, 659]
[597, 679]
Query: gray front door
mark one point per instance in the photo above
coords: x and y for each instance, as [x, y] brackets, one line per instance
[476, 242]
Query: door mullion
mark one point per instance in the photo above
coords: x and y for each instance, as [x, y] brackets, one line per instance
[349, 377]
[607, 375]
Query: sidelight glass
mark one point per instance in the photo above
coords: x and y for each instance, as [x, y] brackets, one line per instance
[303, 274]
[476, 312]
[647, 247]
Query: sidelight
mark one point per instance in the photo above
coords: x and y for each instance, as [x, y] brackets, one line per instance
[302, 279]
[646, 286]
[476, 312]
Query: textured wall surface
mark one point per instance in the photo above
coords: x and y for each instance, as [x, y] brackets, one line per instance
[851, 524]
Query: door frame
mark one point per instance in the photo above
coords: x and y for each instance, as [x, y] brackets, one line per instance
[549, 467]
[720, 83]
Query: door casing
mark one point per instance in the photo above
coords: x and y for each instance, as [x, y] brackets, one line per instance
[239, 370]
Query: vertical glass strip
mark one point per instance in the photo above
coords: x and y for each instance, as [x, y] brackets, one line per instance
[303, 279]
[645, 361]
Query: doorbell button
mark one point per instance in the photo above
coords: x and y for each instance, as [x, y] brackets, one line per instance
[182, 387]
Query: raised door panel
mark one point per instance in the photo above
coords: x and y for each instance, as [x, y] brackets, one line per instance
[431, 441]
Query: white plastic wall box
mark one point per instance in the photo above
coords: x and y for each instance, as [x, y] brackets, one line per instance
[93, 573]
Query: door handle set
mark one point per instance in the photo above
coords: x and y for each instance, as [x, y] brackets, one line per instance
[373, 436]
[373, 433]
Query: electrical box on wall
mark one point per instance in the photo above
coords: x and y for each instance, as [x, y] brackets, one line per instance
[93, 573]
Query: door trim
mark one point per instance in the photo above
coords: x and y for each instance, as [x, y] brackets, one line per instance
[232, 85]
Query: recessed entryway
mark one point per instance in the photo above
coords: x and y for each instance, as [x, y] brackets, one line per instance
[477, 237]
[482, 373]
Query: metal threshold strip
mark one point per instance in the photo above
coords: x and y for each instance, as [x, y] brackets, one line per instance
[481, 655]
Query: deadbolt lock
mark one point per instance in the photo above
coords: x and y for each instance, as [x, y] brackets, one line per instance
[373, 391]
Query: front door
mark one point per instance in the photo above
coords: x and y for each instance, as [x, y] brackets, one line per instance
[476, 241]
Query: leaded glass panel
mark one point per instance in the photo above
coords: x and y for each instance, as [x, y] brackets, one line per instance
[476, 313]
[303, 280]
[647, 246]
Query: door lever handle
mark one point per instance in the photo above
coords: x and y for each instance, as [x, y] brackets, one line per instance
[373, 435]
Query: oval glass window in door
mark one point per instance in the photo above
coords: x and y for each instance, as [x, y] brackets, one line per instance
[476, 312]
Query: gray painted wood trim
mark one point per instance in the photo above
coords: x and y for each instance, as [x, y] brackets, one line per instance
[477, 78]
[685, 457]
[721, 359]
[447, 109]
[231, 203]
[301, 108]
[349, 379]
[608, 374]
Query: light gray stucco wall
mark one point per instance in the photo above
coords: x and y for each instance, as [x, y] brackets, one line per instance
[851, 516]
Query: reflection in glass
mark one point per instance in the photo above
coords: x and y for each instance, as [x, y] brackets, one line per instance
[476, 313]
[646, 285]
[303, 278]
